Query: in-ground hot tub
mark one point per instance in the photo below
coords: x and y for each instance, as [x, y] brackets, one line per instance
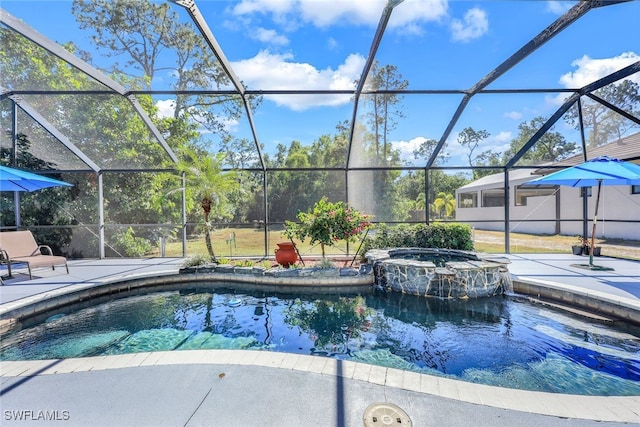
[442, 273]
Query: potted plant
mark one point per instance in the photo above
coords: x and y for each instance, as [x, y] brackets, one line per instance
[579, 247]
[584, 247]
[327, 223]
[587, 248]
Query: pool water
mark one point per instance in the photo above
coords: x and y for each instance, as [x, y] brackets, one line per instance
[500, 341]
[440, 259]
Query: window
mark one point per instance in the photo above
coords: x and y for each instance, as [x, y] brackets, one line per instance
[522, 193]
[635, 189]
[493, 198]
[468, 200]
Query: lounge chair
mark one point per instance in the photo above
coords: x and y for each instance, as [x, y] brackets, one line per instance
[21, 247]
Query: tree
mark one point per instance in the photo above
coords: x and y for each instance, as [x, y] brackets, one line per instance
[607, 125]
[150, 39]
[25, 65]
[247, 196]
[383, 109]
[445, 205]
[45, 207]
[331, 150]
[206, 183]
[290, 191]
[551, 147]
[149, 43]
[124, 140]
[426, 149]
[327, 223]
[471, 139]
[308, 186]
[443, 182]
[385, 106]
[410, 187]
[487, 158]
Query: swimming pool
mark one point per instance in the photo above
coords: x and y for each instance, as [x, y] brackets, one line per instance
[502, 341]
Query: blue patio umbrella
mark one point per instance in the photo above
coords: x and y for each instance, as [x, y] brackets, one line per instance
[599, 171]
[19, 180]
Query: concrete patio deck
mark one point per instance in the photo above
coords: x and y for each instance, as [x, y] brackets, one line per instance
[245, 388]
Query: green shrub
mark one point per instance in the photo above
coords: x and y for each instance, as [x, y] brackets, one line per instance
[327, 223]
[196, 261]
[127, 244]
[437, 235]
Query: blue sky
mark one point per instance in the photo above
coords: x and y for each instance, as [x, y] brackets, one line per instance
[435, 44]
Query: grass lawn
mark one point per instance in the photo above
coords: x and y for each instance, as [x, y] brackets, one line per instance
[249, 242]
[232, 242]
[493, 242]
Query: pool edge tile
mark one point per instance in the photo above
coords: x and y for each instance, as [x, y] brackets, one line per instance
[317, 364]
[429, 384]
[361, 371]
[448, 388]
[395, 378]
[269, 359]
[289, 361]
[378, 375]
[347, 369]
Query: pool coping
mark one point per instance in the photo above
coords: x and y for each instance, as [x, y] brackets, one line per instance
[596, 408]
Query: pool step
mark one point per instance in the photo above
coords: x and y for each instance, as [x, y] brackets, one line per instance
[574, 310]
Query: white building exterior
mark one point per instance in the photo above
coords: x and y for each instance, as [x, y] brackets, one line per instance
[550, 210]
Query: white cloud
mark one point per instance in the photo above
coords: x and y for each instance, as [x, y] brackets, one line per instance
[323, 15]
[499, 142]
[559, 7]
[454, 149]
[166, 108]
[588, 70]
[278, 7]
[269, 37]
[456, 153]
[230, 125]
[408, 14]
[513, 115]
[276, 71]
[315, 12]
[501, 137]
[358, 12]
[406, 148]
[474, 26]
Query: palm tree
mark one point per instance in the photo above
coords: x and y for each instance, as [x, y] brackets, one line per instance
[445, 203]
[421, 201]
[205, 182]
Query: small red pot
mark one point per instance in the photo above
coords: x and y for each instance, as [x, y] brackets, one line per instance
[286, 254]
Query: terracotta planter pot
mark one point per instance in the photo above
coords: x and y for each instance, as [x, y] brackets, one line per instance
[286, 254]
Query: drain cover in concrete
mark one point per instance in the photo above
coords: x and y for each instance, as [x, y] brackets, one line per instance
[385, 414]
